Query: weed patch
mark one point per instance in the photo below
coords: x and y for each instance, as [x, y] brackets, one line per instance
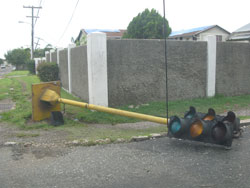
[26, 135]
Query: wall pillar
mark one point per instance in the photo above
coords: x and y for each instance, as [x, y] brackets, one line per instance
[97, 68]
[69, 67]
[47, 56]
[211, 66]
[37, 61]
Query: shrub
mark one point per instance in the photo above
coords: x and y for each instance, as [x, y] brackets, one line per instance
[31, 66]
[48, 72]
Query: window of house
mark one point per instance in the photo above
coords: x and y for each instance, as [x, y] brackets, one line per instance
[218, 38]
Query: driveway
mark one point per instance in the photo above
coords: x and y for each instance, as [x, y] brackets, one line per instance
[161, 162]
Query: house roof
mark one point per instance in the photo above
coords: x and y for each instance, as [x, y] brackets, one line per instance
[193, 31]
[116, 34]
[240, 37]
[88, 31]
[244, 28]
[189, 31]
[109, 32]
[242, 33]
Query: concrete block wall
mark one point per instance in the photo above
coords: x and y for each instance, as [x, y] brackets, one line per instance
[54, 57]
[63, 68]
[136, 70]
[122, 72]
[79, 72]
[233, 68]
[187, 69]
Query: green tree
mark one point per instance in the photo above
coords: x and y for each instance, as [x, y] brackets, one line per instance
[18, 57]
[40, 52]
[1, 61]
[147, 25]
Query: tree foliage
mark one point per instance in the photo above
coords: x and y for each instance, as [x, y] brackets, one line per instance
[18, 57]
[81, 41]
[1, 61]
[40, 52]
[147, 25]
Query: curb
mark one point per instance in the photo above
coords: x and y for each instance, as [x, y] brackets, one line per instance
[117, 141]
[85, 142]
[245, 122]
[151, 136]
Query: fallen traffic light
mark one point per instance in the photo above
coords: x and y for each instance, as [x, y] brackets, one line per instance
[208, 128]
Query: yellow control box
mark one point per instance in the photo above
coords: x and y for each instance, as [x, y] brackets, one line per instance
[42, 110]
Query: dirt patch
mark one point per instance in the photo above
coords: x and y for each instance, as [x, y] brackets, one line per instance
[57, 137]
[10, 133]
[53, 142]
[19, 150]
[6, 105]
[40, 143]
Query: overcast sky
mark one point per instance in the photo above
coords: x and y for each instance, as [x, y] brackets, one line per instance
[109, 14]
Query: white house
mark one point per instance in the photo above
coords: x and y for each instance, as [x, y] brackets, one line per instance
[201, 33]
[111, 34]
[242, 34]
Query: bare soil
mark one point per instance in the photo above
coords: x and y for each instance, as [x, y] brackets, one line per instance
[47, 143]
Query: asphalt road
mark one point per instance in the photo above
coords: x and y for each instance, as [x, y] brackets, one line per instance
[155, 163]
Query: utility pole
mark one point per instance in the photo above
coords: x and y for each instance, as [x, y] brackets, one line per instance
[32, 27]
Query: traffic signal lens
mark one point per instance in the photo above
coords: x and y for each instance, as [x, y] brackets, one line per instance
[175, 127]
[219, 131]
[196, 129]
[208, 118]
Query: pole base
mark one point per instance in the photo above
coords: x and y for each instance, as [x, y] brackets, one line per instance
[56, 118]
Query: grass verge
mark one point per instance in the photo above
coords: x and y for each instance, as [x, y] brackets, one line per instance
[17, 73]
[219, 103]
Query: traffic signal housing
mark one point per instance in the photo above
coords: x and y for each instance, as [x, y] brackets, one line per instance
[204, 127]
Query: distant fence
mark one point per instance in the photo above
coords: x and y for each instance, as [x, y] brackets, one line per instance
[38, 61]
[121, 72]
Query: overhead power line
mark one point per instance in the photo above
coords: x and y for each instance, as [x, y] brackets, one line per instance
[41, 39]
[38, 11]
[68, 22]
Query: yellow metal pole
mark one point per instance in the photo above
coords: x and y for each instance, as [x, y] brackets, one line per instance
[53, 98]
[114, 111]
